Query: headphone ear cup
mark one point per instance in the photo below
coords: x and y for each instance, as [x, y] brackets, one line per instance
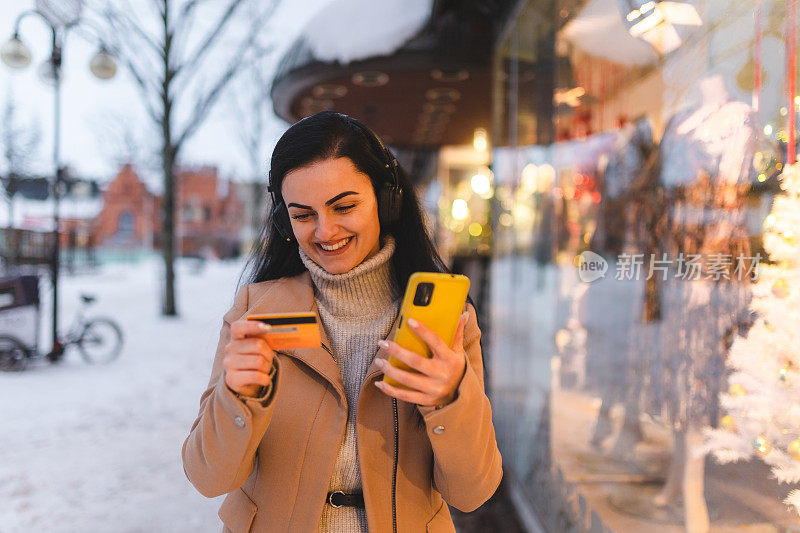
[397, 204]
[391, 201]
[280, 219]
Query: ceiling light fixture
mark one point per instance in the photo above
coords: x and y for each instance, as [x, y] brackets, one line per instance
[655, 21]
[370, 78]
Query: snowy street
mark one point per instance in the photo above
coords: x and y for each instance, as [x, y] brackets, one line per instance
[88, 449]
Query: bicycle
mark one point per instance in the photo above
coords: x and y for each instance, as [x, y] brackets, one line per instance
[98, 339]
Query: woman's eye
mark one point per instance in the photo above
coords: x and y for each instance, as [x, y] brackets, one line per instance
[345, 208]
[301, 217]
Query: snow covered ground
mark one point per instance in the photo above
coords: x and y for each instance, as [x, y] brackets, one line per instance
[97, 449]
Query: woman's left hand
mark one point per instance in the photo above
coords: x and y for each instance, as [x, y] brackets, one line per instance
[439, 376]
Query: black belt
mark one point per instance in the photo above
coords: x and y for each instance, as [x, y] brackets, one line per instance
[338, 498]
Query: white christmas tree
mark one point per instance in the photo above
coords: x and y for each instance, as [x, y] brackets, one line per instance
[762, 405]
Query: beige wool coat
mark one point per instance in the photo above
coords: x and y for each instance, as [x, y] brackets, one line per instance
[275, 460]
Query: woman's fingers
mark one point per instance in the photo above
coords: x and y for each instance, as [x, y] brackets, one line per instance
[438, 377]
[248, 357]
[244, 328]
[409, 396]
[250, 345]
[245, 381]
[419, 382]
[458, 340]
[248, 362]
[414, 360]
[435, 343]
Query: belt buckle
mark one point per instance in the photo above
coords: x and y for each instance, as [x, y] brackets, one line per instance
[330, 498]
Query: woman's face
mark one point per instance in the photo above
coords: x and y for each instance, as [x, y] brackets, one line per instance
[334, 213]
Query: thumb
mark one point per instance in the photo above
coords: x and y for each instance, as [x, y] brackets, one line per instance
[458, 341]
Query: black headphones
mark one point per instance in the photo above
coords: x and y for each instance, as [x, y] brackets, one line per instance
[390, 195]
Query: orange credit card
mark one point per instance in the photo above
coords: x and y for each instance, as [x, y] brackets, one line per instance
[291, 330]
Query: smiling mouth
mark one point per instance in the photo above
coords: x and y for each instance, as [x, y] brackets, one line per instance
[336, 246]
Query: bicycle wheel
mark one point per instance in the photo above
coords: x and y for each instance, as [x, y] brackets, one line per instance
[100, 342]
[13, 354]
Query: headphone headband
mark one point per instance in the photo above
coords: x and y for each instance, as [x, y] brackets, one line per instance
[390, 161]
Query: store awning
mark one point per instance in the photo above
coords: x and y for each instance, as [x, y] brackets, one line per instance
[417, 72]
[349, 30]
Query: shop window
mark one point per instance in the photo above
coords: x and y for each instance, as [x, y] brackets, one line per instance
[637, 206]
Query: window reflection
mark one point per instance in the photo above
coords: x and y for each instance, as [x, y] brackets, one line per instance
[628, 221]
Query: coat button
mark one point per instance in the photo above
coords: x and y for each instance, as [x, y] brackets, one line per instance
[239, 421]
[438, 430]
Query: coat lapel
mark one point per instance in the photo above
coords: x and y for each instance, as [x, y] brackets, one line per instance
[296, 294]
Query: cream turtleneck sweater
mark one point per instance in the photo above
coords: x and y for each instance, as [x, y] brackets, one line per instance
[357, 309]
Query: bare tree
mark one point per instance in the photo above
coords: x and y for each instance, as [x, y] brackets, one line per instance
[256, 129]
[20, 141]
[181, 70]
[121, 141]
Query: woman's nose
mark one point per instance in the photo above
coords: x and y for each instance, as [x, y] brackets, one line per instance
[326, 228]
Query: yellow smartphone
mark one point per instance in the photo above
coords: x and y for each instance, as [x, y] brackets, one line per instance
[290, 330]
[436, 300]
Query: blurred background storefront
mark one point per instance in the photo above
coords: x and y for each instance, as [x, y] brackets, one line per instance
[644, 138]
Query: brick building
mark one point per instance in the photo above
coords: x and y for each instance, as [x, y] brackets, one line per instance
[125, 215]
[128, 216]
[209, 214]
[207, 219]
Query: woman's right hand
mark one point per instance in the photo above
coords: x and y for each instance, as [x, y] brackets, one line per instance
[248, 358]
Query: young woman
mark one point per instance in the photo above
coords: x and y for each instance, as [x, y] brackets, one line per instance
[311, 439]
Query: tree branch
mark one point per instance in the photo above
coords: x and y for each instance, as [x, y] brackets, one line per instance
[204, 104]
[144, 89]
[159, 5]
[184, 74]
[186, 12]
[122, 23]
[209, 39]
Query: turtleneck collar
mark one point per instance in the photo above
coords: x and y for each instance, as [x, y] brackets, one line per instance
[364, 290]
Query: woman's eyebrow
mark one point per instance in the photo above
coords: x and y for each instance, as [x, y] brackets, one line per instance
[329, 202]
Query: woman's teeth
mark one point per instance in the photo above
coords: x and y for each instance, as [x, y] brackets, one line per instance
[335, 246]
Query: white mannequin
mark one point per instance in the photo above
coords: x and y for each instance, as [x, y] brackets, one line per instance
[718, 138]
[713, 94]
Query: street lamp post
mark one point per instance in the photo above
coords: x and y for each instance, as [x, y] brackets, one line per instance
[16, 55]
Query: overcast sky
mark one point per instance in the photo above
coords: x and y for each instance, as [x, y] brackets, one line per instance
[92, 109]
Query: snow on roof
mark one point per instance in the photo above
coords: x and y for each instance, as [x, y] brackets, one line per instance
[349, 30]
[38, 214]
[599, 30]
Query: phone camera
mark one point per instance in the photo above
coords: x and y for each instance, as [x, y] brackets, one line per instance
[422, 296]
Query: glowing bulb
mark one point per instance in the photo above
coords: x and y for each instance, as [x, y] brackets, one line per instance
[506, 219]
[784, 111]
[762, 177]
[460, 209]
[547, 175]
[475, 229]
[530, 173]
[480, 140]
[768, 129]
[480, 184]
